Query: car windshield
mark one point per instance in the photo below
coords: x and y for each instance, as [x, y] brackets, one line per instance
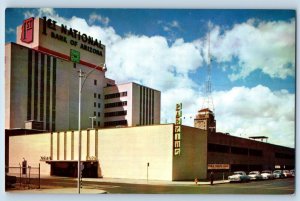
[253, 173]
[238, 173]
[269, 172]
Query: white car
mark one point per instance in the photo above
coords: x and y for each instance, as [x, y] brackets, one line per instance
[239, 176]
[267, 174]
[255, 175]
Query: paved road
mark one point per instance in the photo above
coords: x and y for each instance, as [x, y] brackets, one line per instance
[278, 186]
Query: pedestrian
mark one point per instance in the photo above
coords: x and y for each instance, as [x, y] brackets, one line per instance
[196, 181]
[211, 178]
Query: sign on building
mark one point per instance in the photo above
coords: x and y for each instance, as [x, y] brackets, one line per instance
[177, 129]
[218, 166]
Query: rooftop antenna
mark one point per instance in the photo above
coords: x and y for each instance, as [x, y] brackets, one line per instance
[208, 101]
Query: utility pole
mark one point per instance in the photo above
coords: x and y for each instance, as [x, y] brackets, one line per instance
[82, 74]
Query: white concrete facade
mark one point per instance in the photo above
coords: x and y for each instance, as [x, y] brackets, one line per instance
[121, 152]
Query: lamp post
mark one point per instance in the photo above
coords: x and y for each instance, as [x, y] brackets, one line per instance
[81, 84]
[92, 118]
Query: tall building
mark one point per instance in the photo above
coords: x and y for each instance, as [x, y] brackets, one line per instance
[131, 104]
[42, 79]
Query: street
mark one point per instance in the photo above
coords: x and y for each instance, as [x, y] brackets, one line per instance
[278, 186]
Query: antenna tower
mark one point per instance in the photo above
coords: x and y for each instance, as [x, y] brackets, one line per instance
[208, 101]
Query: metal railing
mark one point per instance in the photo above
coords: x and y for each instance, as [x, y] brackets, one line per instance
[21, 177]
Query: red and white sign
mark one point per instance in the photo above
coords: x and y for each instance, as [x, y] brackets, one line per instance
[27, 30]
[218, 166]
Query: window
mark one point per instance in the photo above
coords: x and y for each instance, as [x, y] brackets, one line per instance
[115, 123]
[99, 96]
[95, 82]
[94, 114]
[116, 104]
[239, 150]
[117, 113]
[95, 104]
[98, 114]
[94, 123]
[115, 95]
[217, 148]
[99, 105]
[95, 95]
[98, 123]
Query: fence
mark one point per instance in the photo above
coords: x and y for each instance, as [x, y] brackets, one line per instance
[23, 177]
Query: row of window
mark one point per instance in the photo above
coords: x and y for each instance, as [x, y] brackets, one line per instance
[98, 123]
[95, 104]
[95, 114]
[116, 123]
[116, 104]
[117, 113]
[234, 150]
[284, 155]
[115, 95]
[95, 95]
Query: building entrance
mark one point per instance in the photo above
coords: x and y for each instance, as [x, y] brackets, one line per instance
[69, 169]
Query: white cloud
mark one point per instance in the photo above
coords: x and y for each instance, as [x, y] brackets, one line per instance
[10, 31]
[94, 17]
[257, 111]
[267, 46]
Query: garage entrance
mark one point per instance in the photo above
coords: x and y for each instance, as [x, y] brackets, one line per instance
[69, 168]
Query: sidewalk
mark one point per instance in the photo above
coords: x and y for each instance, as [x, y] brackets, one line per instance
[139, 181]
[60, 191]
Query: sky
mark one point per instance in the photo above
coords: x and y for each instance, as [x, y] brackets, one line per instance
[252, 60]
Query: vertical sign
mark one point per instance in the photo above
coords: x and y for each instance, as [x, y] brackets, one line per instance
[177, 129]
[27, 30]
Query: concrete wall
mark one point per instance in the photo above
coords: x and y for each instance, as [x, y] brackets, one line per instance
[125, 152]
[16, 81]
[192, 161]
[30, 147]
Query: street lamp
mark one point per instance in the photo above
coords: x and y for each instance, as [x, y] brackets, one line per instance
[81, 84]
[92, 118]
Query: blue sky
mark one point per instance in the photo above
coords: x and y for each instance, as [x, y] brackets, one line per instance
[253, 60]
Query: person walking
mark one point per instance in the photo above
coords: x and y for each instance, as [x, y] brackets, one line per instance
[211, 178]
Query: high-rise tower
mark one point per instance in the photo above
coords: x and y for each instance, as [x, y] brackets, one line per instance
[205, 119]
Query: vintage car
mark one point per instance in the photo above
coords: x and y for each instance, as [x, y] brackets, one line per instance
[278, 174]
[267, 174]
[255, 175]
[239, 176]
[287, 173]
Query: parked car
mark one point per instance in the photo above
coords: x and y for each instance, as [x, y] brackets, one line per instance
[286, 173]
[239, 176]
[255, 175]
[267, 174]
[292, 172]
[278, 174]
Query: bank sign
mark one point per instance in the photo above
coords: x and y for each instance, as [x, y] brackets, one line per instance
[177, 129]
[72, 36]
[63, 34]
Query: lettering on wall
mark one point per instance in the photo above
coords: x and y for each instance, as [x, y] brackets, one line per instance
[91, 158]
[177, 129]
[45, 158]
[72, 37]
[218, 166]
